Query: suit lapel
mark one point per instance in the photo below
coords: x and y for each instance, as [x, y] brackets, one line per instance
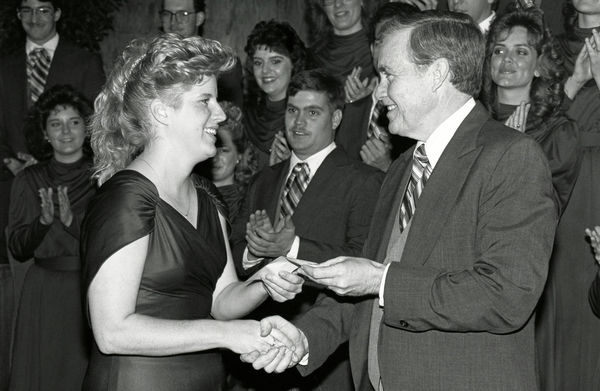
[443, 188]
[60, 60]
[319, 180]
[384, 216]
[16, 84]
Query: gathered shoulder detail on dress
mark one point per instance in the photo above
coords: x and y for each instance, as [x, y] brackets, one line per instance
[121, 212]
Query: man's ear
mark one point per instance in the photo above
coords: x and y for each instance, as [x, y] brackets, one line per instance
[200, 18]
[57, 14]
[336, 118]
[159, 111]
[440, 72]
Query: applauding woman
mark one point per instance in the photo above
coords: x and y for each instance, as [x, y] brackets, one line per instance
[47, 205]
[158, 274]
[523, 86]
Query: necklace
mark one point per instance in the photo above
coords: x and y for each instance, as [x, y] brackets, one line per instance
[173, 202]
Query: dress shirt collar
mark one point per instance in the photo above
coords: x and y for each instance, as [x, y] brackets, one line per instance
[484, 25]
[313, 161]
[50, 46]
[441, 136]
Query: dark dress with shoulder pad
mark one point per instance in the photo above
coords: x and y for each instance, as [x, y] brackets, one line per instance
[181, 269]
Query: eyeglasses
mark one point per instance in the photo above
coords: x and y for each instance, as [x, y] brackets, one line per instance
[330, 3]
[26, 13]
[180, 16]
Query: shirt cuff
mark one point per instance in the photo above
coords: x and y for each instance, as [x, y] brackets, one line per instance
[246, 263]
[382, 284]
[293, 253]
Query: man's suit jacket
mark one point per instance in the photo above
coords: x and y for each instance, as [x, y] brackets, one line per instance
[70, 65]
[333, 215]
[458, 305]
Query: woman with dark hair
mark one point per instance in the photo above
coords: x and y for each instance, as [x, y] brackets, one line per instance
[230, 170]
[47, 205]
[160, 286]
[275, 53]
[523, 87]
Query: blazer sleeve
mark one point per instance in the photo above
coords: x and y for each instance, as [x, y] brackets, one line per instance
[326, 326]
[515, 223]
[357, 226]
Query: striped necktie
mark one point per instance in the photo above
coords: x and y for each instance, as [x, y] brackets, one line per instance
[294, 188]
[421, 170]
[38, 65]
[375, 129]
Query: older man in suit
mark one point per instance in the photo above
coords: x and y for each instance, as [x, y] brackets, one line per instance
[314, 206]
[457, 254]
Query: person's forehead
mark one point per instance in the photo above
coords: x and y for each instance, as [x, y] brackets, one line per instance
[395, 43]
[309, 98]
[187, 5]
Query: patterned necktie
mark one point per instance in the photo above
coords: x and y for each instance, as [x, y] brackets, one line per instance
[421, 170]
[375, 129]
[294, 188]
[38, 65]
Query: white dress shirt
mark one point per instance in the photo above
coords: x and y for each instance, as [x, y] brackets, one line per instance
[49, 45]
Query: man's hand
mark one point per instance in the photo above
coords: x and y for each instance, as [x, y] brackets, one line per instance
[17, 165]
[355, 88]
[347, 276]
[280, 150]
[264, 241]
[278, 360]
[377, 153]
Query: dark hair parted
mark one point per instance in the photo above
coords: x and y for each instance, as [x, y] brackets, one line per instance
[279, 37]
[449, 35]
[163, 68]
[546, 92]
[319, 80]
[388, 11]
[57, 97]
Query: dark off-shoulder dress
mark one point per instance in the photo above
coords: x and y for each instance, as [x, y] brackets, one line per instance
[181, 269]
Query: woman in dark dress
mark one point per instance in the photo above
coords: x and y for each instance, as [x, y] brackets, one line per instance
[570, 343]
[47, 206]
[523, 87]
[230, 171]
[275, 53]
[159, 279]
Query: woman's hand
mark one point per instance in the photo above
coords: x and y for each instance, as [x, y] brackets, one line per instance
[245, 337]
[64, 206]
[377, 153]
[581, 73]
[592, 46]
[47, 206]
[356, 89]
[280, 150]
[518, 119]
[594, 236]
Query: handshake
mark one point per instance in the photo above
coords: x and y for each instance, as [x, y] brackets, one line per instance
[285, 346]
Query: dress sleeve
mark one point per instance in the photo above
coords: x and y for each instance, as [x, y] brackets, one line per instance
[25, 232]
[120, 213]
[563, 149]
[595, 295]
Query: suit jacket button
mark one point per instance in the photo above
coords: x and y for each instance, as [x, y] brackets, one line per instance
[403, 323]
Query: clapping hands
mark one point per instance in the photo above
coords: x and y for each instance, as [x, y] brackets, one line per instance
[293, 347]
[355, 88]
[47, 206]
